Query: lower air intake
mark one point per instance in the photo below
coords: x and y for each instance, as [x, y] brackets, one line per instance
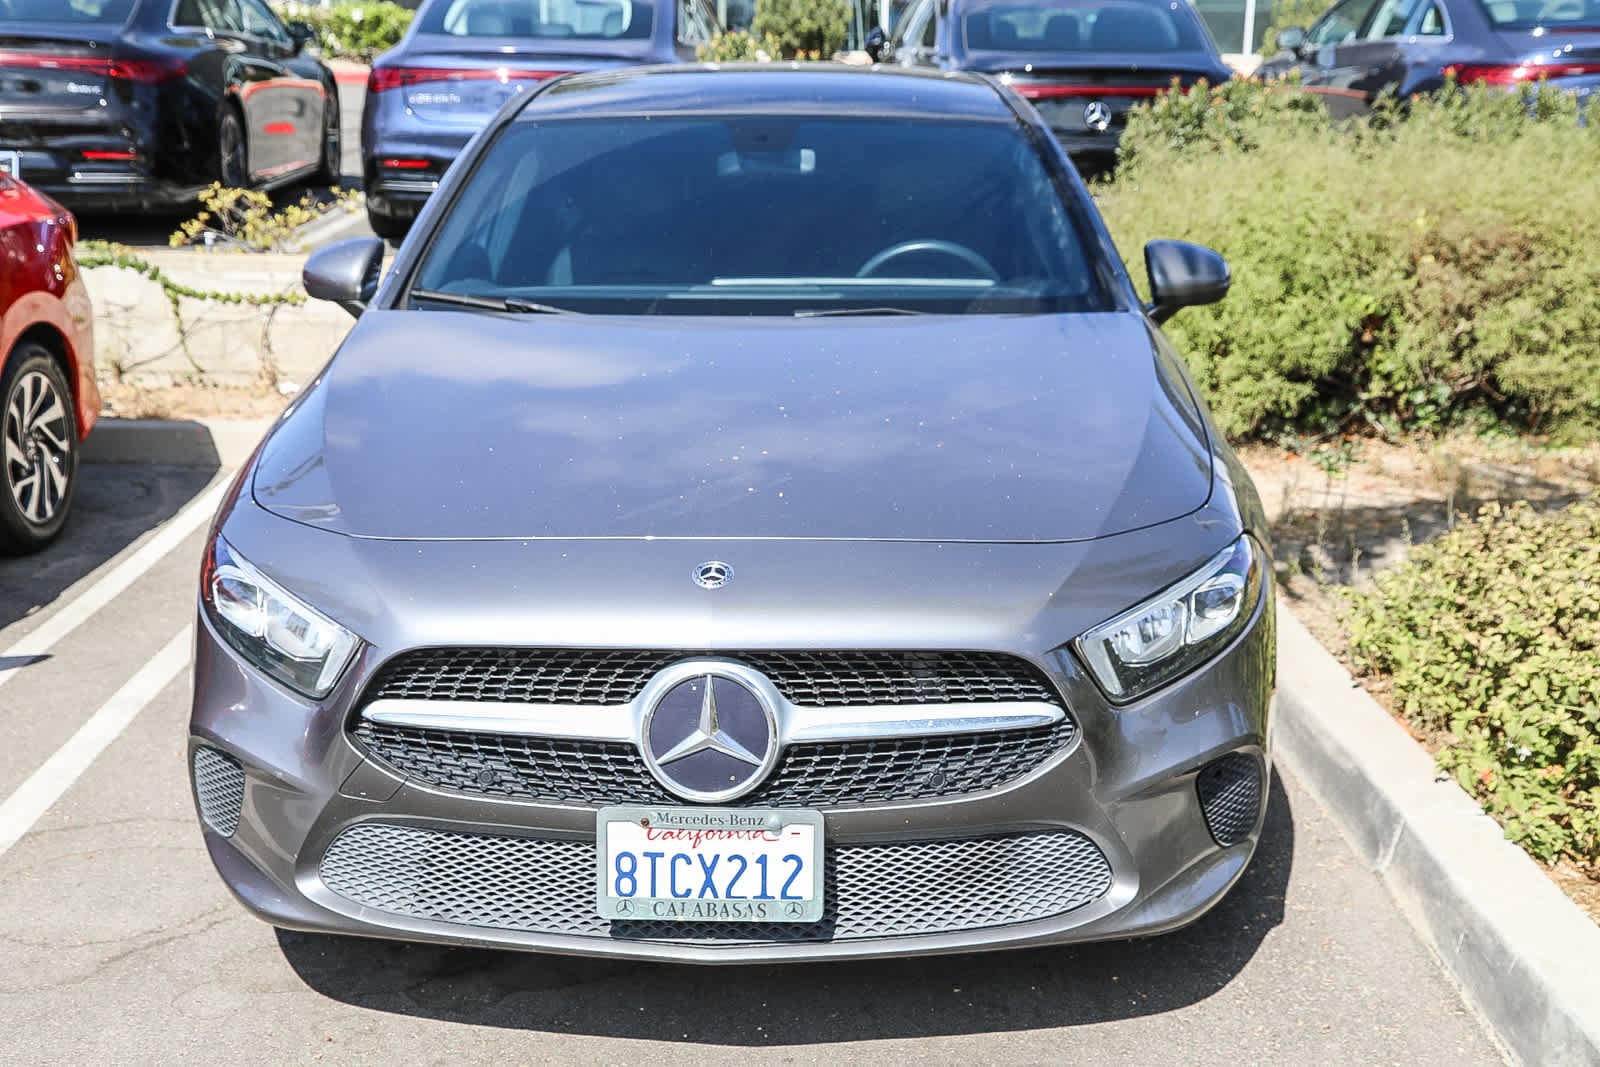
[546, 886]
[219, 787]
[1230, 797]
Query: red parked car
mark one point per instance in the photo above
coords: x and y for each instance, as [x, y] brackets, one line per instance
[48, 396]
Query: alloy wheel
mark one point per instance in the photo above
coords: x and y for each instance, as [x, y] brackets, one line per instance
[37, 447]
[230, 147]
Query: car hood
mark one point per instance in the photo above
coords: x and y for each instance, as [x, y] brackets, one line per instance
[458, 425]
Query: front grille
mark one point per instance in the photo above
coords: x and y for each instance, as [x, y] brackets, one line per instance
[820, 775]
[219, 789]
[545, 886]
[1230, 796]
[811, 679]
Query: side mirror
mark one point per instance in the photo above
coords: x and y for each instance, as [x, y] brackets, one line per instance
[875, 43]
[1291, 39]
[1183, 275]
[302, 34]
[346, 273]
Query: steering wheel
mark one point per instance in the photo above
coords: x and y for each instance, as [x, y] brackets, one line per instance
[929, 244]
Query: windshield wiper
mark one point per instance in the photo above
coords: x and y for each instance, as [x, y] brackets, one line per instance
[491, 303]
[822, 313]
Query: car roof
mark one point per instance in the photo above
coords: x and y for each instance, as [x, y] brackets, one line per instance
[772, 88]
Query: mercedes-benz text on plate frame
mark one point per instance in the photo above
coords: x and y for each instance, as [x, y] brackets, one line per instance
[997, 667]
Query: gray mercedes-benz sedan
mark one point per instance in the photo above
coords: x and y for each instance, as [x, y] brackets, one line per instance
[754, 518]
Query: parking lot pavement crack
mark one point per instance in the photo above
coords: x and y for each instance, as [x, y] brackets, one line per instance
[192, 927]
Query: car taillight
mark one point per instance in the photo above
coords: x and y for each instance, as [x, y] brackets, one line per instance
[404, 164]
[382, 79]
[143, 71]
[1052, 92]
[148, 71]
[1517, 73]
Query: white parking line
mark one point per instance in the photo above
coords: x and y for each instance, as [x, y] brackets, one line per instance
[46, 785]
[115, 582]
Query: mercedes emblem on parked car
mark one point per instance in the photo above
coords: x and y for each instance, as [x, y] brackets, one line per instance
[1097, 116]
[713, 574]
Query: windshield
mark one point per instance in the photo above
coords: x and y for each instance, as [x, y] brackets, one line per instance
[763, 215]
[1532, 14]
[1084, 25]
[80, 12]
[593, 20]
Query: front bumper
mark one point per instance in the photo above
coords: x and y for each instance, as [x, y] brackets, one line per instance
[1124, 790]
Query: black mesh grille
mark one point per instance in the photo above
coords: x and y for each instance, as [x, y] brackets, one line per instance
[810, 775]
[1230, 797]
[811, 679]
[219, 789]
[871, 890]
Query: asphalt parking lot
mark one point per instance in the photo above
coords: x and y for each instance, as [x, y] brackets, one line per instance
[119, 945]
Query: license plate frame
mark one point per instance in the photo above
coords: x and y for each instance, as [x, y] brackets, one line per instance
[625, 827]
[11, 163]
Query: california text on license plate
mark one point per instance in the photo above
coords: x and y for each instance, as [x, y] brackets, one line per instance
[709, 864]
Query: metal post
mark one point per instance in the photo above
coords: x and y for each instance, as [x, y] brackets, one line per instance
[1249, 26]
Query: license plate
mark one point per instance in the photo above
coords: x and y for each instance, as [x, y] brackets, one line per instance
[709, 864]
[11, 163]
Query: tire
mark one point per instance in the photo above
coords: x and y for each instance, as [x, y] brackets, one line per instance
[233, 151]
[38, 450]
[387, 226]
[328, 170]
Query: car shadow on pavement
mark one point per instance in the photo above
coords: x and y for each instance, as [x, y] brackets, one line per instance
[115, 504]
[756, 1005]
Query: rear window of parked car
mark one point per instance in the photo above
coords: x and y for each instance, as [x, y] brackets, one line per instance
[1083, 26]
[764, 215]
[80, 12]
[1551, 14]
[585, 19]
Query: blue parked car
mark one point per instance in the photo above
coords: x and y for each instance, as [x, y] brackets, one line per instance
[462, 59]
[1083, 63]
[1360, 48]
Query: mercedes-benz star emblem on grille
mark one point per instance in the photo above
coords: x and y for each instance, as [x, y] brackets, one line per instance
[709, 736]
[1097, 116]
[713, 574]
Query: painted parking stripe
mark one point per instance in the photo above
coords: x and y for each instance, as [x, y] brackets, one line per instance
[113, 585]
[46, 785]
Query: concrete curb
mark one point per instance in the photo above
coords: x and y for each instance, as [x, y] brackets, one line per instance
[208, 443]
[1524, 954]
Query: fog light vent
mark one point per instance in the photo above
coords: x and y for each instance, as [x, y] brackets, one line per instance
[1230, 796]
[219, 786]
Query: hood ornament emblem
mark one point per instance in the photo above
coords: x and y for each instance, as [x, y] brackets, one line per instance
[713, 574]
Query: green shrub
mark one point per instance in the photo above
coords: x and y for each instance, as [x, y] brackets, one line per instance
[1428, 268]
[737, 46]
[1492, 638]
[804, 29]
[352, 29]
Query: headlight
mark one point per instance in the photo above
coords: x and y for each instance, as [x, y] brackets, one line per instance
[1175, 631]
[284, 638]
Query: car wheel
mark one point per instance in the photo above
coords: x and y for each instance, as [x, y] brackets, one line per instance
[38, 450]
[328, 171]
[233, 155]
[387, 226]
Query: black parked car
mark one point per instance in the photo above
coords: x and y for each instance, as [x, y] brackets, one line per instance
[111, 103]
[1360, 48]
[1083, 63]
